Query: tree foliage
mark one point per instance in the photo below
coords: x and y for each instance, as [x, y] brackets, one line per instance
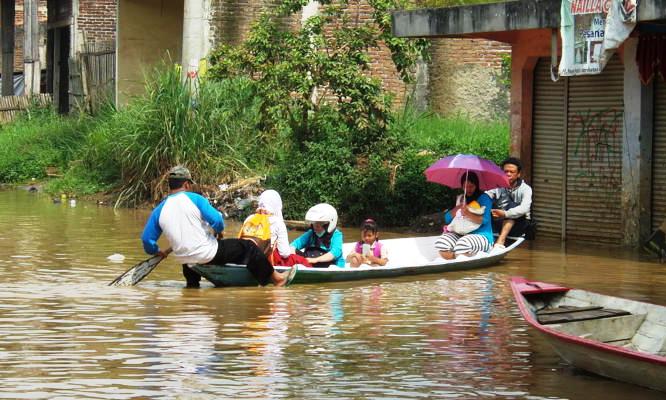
[324, 63]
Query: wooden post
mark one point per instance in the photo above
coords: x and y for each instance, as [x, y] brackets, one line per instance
[32, 69]
[7, 15]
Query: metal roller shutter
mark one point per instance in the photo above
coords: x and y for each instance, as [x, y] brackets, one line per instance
[594, 155]
[659, 155]
[547, 154]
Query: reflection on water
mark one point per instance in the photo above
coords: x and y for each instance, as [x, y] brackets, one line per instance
[65, 334]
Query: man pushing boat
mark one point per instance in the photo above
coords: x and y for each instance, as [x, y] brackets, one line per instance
[188, 221]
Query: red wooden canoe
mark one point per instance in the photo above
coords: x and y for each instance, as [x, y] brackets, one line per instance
[609, 336]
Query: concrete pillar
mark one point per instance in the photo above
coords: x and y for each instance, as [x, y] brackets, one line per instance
[310, 10]
[196, 28]
[637, 150]
[421, 86]
[522, 82]
[32, 68]
[7, 15]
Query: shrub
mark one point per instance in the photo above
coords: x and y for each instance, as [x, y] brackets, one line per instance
[39, 139]
[388, 185]
[79, 181]
[213, 132]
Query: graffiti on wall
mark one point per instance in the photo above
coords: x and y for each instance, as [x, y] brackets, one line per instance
[596, 149]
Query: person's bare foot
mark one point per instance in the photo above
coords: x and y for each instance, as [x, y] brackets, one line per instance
[282, 278]
[447, 255]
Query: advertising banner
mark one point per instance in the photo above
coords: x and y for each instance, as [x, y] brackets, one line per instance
[591, 30]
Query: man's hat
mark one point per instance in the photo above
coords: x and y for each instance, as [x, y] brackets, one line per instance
[180, 172]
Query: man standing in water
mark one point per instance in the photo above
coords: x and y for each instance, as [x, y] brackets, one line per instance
[512, 215]
[187, 219]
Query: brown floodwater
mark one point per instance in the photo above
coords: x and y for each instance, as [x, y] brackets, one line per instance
[65, 334]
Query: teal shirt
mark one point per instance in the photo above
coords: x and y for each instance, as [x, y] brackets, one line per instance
[307, 240]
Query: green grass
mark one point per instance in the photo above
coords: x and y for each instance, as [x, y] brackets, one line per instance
[39, 139]
[444, 136]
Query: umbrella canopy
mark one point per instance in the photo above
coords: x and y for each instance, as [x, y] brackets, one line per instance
[449, 170]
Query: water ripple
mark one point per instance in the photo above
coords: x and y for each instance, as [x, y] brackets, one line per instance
[65, 334]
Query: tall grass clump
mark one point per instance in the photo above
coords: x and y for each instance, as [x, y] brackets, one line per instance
[212, 129]
[37, 139]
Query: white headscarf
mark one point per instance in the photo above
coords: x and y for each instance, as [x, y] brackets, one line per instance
[271, 201]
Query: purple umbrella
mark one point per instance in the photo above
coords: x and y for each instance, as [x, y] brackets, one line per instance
[448, 171]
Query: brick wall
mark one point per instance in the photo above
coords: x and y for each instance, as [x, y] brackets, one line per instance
[231, 21]
[18, 36]
[382, 65]
[18, 31]
[463, 74]
[464, 78]
[97, 20]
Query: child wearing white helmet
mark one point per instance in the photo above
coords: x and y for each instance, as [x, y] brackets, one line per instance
[321, 245]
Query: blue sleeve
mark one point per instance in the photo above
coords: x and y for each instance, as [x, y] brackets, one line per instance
[336, 247]
[208, 212]
[302, 241]
[152, 231]
[448, 217]
[485, 200]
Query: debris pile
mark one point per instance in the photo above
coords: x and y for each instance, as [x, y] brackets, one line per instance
[235, 200]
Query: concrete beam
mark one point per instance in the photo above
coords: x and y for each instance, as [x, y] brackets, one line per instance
[7, 15]
[497, 17]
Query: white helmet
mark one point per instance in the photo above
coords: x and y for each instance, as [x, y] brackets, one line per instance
[325, 213]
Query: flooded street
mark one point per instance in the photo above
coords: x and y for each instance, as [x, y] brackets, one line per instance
[65, 334]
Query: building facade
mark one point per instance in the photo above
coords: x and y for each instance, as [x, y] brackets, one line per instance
[208, 23]
[593, 145]
[134, 36]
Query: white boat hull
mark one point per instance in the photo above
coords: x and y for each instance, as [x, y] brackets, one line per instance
[407, 256]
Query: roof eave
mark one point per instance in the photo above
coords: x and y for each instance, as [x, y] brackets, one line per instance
[496, 17]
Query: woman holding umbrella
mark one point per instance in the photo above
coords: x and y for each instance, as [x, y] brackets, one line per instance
[475, 175]
[452, 244]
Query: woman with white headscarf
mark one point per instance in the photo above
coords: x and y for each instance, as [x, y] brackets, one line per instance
[270, 203]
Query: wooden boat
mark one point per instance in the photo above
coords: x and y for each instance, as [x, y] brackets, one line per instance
[407, 256]
[609, 336]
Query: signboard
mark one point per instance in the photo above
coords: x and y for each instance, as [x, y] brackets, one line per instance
[591, 30]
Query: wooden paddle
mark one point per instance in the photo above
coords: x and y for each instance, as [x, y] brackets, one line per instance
[135, 274]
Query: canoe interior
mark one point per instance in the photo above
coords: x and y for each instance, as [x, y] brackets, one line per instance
[614, 321]
[407, 256]
[573, 314]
